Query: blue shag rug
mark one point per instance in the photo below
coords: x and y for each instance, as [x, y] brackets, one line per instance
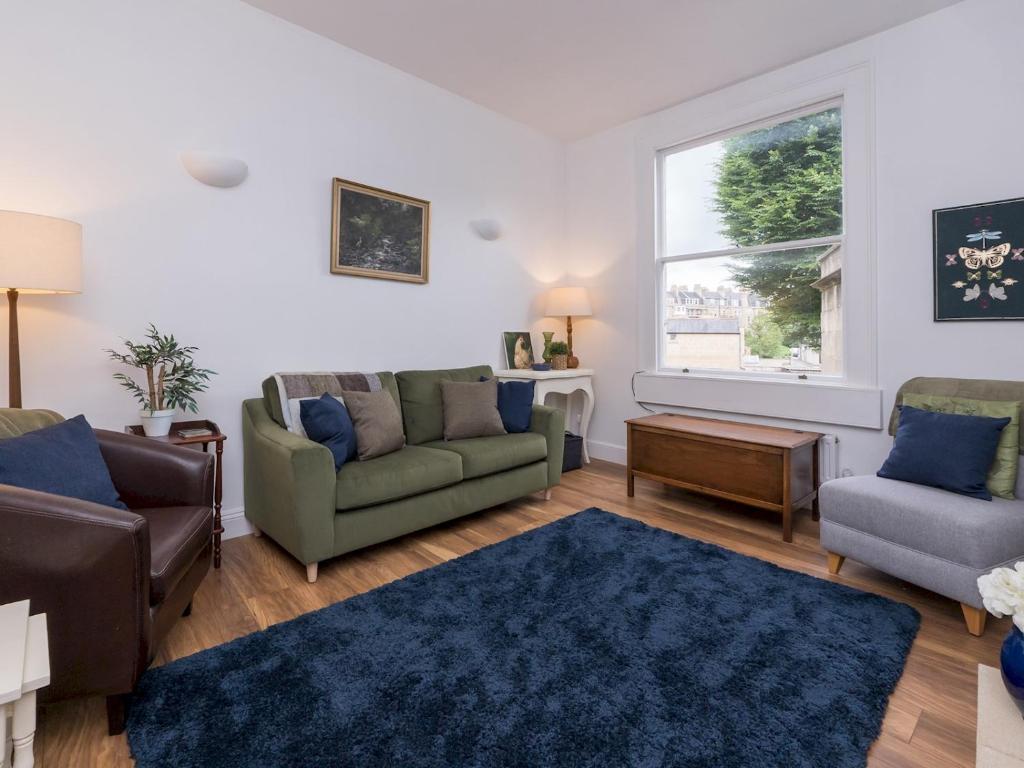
[595, 641]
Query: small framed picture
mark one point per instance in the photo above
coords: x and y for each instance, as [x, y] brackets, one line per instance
[518, 350]
[978, 261]
[376, 233]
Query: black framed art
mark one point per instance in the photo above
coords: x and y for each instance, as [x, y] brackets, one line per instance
[978, 261]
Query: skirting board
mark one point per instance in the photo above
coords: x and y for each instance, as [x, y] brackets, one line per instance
[607, 451]
[234, 523]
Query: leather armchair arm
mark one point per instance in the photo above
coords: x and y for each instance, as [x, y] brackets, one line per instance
[87, 567]
[148, 473]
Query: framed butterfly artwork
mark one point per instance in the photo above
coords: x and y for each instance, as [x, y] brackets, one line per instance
[978, 261]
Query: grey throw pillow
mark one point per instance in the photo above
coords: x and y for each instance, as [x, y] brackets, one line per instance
[377, 421]
[470, 409]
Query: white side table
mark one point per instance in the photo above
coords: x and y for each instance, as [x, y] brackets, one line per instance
[566, 383]
[1000, 725]
[24, 669]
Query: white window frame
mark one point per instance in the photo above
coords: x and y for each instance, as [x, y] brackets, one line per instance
[851, 397]
[664, 257]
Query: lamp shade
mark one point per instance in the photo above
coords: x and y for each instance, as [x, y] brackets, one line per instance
[568, 301]
[40, 254]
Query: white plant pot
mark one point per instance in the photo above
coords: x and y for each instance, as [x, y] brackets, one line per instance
[156, 423]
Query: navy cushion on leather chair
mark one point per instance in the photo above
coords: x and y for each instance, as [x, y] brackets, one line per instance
[64, 459]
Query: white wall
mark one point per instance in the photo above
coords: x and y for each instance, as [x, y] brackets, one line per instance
[99, 98]
[947, 132]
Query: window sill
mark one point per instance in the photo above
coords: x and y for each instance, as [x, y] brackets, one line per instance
[819, 401]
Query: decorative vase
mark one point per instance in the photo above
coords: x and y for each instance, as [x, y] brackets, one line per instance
[1011, 661]
[157, 423]
[559, 362]
[548, 336]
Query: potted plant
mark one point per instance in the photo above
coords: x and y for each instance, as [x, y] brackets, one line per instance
[172, 380]
[1002, 592]
[559, 355]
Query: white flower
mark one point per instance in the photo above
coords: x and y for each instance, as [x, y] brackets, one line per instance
[1002, 592]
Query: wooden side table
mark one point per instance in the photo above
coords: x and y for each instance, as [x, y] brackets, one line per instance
[566, 382]
[216, 439]
[24, 669]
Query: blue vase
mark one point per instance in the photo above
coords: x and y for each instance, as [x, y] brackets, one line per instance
[1011, 661]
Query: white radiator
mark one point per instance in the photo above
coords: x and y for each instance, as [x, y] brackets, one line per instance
[828, 458]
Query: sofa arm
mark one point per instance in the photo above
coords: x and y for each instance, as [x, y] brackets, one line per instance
[550, 422]
[87, 567]
[148, 473]
[290, 485]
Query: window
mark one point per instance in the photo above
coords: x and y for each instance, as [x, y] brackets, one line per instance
[750, 249]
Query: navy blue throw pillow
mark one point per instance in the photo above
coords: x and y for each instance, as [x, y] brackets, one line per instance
[327, 422]
[944, 450]
[64, 459]
[515, 404]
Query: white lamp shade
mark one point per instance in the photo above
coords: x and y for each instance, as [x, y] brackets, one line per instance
[569, 301]
[40, 254]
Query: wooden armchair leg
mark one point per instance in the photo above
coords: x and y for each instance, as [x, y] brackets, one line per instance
[835, 562]
[116, 711]
[974, 618]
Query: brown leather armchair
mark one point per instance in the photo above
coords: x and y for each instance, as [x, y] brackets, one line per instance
[111, 582]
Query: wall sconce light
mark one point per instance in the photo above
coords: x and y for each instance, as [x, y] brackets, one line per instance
[214, 170]
[486, 229]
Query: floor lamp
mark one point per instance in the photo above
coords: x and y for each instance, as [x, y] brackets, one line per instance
[38, 254]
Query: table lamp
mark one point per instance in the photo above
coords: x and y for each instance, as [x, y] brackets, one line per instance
[38, 254]
[568, 302]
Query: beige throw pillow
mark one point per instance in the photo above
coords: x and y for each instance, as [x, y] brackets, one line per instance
[471, 409]
[377, 421]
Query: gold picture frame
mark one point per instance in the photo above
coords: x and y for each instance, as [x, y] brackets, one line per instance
[378, 233]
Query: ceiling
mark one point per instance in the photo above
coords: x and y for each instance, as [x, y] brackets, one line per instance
[575, 67]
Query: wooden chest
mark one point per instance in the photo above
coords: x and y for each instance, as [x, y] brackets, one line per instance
[767, 467]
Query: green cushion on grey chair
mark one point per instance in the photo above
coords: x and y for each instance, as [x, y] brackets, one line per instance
[482, 456]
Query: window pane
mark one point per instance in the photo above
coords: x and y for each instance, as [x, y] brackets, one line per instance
[771, 312]
[771, 185]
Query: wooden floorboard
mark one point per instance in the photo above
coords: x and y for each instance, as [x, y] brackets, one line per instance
[931, 716]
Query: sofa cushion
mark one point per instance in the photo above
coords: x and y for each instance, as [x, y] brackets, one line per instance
[407, 472]
[471, 409]
[960, 529]
[326, 421]
[486, 455]
[420, 393]
[176, 537]
[377, 422]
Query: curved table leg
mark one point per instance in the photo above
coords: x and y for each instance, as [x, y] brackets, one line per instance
[588, 411]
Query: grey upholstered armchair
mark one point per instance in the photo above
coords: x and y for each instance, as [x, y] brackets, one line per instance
[933, 538]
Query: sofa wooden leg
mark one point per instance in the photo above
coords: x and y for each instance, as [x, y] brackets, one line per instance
[835, 562]
[547, 494]
[974, 618]
[188, 609]
[256, 532]
[116, 710]
[311, 570]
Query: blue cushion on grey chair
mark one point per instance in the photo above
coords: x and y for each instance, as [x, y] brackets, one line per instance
[64, 459]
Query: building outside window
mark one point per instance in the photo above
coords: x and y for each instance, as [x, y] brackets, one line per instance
[750, 248]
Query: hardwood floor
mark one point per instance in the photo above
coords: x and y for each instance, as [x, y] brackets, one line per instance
[931, 716]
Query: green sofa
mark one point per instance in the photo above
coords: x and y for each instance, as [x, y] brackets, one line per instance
[293, 494]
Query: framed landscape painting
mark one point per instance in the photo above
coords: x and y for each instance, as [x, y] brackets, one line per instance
[978, 261]
[376, 233]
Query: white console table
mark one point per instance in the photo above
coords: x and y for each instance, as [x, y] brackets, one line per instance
[568, 383]
[24, 669]
[1000, 725]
